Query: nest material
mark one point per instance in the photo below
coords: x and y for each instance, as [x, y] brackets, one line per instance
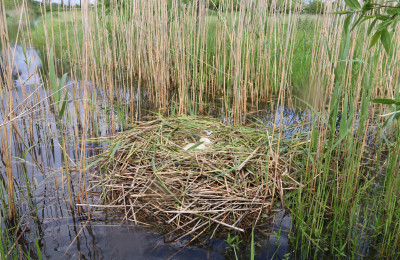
[147, 172]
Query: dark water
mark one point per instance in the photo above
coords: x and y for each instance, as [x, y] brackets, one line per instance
[65, 231]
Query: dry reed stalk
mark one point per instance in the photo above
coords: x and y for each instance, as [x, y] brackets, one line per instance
[168, 52]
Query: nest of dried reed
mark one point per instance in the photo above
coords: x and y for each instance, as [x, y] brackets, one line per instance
[147, 172]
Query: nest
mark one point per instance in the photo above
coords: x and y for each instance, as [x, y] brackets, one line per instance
[147, 172]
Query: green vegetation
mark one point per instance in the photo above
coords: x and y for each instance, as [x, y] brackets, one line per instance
[315, 7]
[384, 19]
[11, 4]
[67, 29]
[15, 22]
[233, 244]
[337, 174]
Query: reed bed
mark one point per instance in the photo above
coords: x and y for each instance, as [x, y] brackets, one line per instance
[147, 172]
[126, 56]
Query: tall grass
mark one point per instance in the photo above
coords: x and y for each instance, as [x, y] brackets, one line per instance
[171, 57]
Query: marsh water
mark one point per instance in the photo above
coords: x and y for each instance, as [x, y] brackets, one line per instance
[64, 231]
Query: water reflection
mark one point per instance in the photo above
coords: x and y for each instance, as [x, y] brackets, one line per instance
[277, 244]
[118, 242]
[25, 65]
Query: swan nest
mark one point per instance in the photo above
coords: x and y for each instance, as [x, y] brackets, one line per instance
[154, 177]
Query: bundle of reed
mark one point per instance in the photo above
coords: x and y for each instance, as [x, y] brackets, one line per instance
[227, 185]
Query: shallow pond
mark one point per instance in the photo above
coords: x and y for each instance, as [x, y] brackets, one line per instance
[66, 232]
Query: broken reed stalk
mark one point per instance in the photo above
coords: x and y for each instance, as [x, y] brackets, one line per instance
[147, 171]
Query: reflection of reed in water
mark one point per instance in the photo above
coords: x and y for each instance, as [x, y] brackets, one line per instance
[1, 75]
[25, 65]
